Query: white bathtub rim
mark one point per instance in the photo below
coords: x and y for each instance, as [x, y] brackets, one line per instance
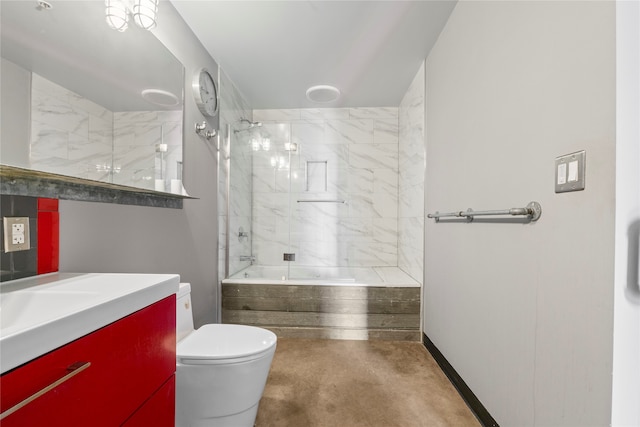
[405, 281]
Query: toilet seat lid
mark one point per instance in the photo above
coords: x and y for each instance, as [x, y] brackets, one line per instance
[223, 342]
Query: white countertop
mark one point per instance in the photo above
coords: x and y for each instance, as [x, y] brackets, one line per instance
[41, 313]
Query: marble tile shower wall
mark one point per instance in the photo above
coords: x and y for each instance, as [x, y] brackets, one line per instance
[348, 154]
[72, 135]
[234, 173]
[411, 179]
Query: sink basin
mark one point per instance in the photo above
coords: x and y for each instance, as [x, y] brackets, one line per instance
[42, 313]
[20, 310]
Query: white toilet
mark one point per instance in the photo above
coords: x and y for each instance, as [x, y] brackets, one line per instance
[221, 370]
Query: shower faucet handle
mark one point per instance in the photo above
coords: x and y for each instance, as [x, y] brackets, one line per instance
[201, 129]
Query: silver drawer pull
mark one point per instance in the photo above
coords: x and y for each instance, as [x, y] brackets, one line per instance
[73, 370]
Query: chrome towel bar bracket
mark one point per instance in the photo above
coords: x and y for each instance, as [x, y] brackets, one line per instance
[533, 210]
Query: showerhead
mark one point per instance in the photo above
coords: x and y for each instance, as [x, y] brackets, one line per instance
[250, 123]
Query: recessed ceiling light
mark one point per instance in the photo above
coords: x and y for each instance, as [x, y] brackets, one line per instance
[160, 97]
[323, 93]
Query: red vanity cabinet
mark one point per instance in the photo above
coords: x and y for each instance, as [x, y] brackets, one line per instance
[121, 374]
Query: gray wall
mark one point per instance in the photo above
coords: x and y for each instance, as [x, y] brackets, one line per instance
[15, 114]
[524, 312]
[98, 237]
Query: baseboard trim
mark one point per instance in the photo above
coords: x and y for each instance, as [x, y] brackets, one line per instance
[467, 395]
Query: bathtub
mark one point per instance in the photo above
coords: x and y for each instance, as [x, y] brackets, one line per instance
[330, 276]
[325, 302]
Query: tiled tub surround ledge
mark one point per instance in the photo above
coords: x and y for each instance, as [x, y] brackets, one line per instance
[26, 182]
[380, 303]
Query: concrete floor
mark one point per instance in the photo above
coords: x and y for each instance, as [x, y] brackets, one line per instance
[339, 383]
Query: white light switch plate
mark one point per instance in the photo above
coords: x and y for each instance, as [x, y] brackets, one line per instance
[570, 172]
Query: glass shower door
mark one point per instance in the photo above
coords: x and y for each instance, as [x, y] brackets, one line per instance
[319, 184]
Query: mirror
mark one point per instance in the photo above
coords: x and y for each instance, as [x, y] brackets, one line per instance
[103, 105]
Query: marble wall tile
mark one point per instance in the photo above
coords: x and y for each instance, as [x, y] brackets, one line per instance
[264, 180]
[80, 103]
[336, 156]
[356, 229]
[283, 115]
[48, 142]
[307, 133]
[292, 179]
[360, 148]
[333, 211]
[373, 156]
[39, 83]
[361, 180]
[372, 254]
[385, 205]
[134, 157]
[323, 254]
[278, 134]
[385, 230]
[357, 131]
[361, 205]
[270, 204]
[386, 131]
[238, 207]
[373, 113]
[385, 181]
[411, 179]
[58, 113]
[324, 114]
[88, 152]
[101, 130]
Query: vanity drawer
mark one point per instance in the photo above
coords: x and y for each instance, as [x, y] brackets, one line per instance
[117, 368]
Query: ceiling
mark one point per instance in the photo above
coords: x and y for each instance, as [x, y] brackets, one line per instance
[274, 50]
[60, 44]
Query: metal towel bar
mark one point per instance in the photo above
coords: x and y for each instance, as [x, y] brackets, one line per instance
[533, 210]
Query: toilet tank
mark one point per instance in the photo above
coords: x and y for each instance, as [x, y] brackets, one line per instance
[184, 314]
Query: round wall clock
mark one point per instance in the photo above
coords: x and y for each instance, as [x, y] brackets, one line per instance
[205, 92]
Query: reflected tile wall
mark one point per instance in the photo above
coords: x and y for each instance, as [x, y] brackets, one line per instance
[136, 159]
[411, 179]
[72, 135]
[360, 148]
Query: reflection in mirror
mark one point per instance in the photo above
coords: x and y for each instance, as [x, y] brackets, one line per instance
[102, 104]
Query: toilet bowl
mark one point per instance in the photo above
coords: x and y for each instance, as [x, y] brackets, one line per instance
[221, 370]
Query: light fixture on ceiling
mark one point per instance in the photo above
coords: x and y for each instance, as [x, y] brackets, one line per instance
[160, 97]
[144, 12]
[323, 94]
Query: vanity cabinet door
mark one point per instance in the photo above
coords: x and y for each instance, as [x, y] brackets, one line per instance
[159, 410]
[100, 379]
